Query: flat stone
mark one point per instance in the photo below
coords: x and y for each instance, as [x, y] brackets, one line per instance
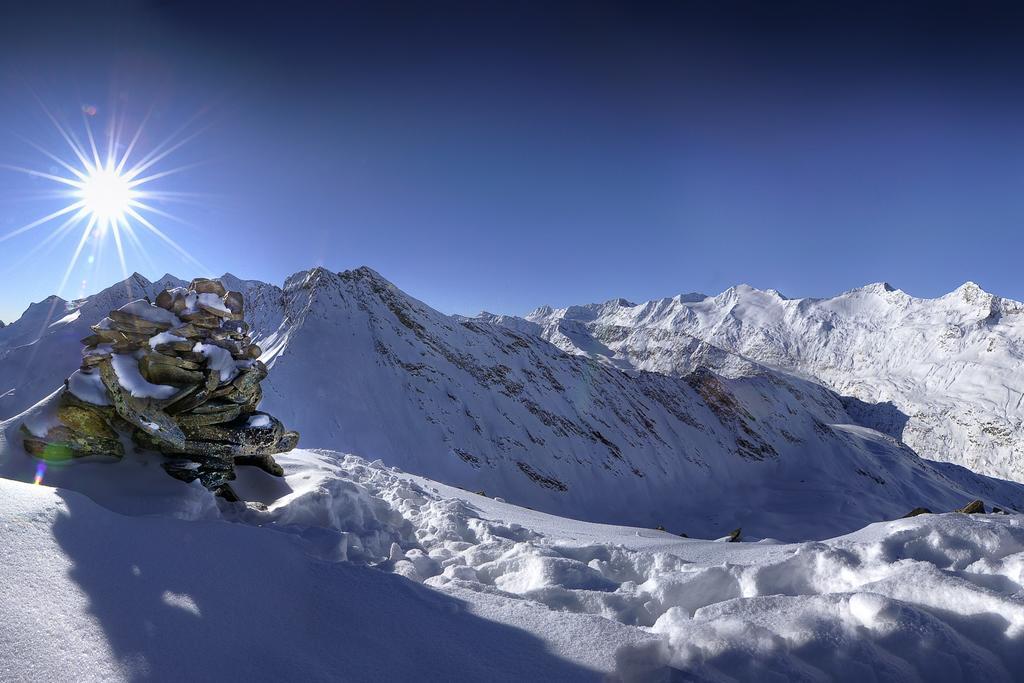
[174, 348]
[165, 300]
[973, 508]
[158, 372]
[63, 443]
[234, 302]
[194, 396]
[85, 421]
[215, 311]
[202, 285]
[202, 318]
[224, 413]
[93, 360]
[134, 323]
[189, 332]
[145, 414]
[264, 462]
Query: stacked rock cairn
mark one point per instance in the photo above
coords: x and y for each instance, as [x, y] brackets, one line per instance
[180, 377]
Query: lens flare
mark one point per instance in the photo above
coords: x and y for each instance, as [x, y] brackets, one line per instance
[40, 471]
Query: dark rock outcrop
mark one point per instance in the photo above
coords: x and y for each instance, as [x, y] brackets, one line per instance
[975, 507]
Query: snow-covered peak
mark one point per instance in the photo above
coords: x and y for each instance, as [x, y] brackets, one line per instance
[953, 365]
[881, 288]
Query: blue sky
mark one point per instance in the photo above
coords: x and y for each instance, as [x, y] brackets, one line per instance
[521, 154]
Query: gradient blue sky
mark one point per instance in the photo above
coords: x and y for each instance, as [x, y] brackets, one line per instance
[502, 155]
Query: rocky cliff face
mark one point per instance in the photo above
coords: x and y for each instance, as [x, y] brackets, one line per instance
[357, 365]
[947, 373]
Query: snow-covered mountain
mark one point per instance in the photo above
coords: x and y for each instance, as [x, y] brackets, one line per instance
[944, 375]
[357, 365]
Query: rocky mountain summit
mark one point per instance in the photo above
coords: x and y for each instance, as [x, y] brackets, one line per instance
[180, 377]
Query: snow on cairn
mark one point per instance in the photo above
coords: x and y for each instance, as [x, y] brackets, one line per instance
[181, 377]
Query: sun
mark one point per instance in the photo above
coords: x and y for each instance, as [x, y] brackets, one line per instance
[107, 195]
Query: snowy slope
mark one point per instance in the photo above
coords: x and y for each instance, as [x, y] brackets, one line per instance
[945, 375]
[357, 365]
[310, 587]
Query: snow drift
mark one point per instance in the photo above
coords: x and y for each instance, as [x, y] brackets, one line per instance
[304, 586]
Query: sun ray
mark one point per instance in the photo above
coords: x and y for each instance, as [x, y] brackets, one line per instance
[156, 231]
[54, 157]
[131, 145]
[163, 214]
[41, 174]
[120, 250]
[78, 251]
[58, 234]
[44, 219]
[103, 199]
[129, 231]
[135, 182]
[80, 153]
[92, 140]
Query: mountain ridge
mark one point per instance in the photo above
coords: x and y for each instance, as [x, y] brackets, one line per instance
[952, 364]
[360, 366]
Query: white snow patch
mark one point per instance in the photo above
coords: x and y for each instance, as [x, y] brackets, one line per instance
[212, 301]
[147, 311]
[260, 421]
[88, 386]
[131, 380]
[69, 318]
[218, 359]
[164, 338]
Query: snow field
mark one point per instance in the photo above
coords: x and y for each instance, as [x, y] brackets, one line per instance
[935, 597]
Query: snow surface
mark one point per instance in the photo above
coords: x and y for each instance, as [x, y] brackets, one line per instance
[260, 421]
[219, 360]
[88, 387]
[164, 338]
[357, 571]
[212, 301]
[145, 310]
[126, 367]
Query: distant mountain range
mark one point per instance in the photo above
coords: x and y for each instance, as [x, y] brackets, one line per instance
[944, 375]
[701, 414]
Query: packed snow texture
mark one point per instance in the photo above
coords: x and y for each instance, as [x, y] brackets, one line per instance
[218, 360]
[126, 367]
[143, 309]
[163, 589]
[88, 387]
[164, 338]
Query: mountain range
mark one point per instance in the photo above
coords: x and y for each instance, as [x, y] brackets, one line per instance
[788, 418]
